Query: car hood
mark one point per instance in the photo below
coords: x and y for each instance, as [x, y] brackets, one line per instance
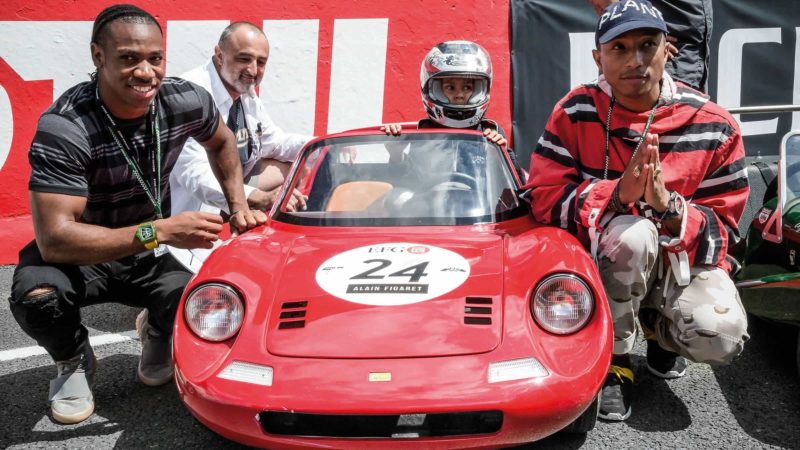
[385, 297]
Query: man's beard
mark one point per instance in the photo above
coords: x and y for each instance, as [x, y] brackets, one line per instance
[237, 84]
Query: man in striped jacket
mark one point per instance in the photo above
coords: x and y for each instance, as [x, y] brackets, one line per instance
[651, 176]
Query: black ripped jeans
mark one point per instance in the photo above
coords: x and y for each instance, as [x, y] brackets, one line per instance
[53, 319]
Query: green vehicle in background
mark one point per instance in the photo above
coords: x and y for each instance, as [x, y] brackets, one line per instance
[769, 281]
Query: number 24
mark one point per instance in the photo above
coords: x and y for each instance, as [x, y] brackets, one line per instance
[414, 273]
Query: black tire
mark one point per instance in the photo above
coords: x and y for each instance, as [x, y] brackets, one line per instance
[586, 421]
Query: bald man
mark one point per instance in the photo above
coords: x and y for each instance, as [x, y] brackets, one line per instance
[265, 151]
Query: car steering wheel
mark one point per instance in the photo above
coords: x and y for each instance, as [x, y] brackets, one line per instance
[450, 177]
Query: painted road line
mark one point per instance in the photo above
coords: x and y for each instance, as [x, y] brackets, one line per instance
[96, 341]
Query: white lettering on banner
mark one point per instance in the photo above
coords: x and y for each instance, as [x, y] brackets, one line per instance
[358, 67]
[796, 95]
[57, 51]
[6, 126]
[190, 43]
[289, 89]
[581, 64]
[729, 81]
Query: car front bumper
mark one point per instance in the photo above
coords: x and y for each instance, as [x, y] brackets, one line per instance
[531, 408]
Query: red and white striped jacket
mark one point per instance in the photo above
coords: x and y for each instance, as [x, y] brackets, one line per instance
[702, 158]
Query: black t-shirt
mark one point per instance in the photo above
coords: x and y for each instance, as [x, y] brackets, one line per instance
[74, 153]
[691, 23]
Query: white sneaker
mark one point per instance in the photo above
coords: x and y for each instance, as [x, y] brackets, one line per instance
[71, 391]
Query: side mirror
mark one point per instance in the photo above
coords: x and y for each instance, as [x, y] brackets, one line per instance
[789, 160]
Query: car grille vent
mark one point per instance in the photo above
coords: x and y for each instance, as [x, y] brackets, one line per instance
[293, 315]
[401, 426]
[478, 311]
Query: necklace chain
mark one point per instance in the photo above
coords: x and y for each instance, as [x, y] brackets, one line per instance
[608, 133]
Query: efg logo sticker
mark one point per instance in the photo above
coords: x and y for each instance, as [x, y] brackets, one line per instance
[392, 274]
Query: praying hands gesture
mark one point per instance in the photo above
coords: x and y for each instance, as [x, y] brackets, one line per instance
[642, 177]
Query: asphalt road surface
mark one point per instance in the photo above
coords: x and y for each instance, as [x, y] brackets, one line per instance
[752, 403]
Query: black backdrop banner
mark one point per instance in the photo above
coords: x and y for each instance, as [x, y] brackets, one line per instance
[755, 60]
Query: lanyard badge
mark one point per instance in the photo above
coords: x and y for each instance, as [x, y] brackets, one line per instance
[154, 193]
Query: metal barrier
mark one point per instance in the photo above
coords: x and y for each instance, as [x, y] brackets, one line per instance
[763, 109]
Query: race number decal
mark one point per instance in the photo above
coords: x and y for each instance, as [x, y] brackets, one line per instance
[392, 274]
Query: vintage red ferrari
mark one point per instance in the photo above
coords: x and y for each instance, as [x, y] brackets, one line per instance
[412, 302]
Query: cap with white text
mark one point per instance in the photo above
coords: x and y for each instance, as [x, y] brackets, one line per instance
[623, 16]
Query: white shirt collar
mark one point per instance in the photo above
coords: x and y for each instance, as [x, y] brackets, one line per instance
[218, 90]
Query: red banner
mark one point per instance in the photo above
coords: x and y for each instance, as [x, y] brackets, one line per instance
[333, 65]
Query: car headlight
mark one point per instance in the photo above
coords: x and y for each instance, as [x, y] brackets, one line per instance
[214, 312]
[562, 304]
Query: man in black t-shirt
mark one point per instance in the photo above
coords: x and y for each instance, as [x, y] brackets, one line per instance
[99, 193]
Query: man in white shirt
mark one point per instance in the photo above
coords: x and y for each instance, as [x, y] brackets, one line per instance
[265, 151]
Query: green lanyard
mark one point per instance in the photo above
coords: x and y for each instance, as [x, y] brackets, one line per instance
[155, 160]
[608, 133]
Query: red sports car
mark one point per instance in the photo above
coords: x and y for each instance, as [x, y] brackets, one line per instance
[412, 302]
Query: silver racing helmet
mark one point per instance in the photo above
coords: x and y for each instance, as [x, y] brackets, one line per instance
[456, 59]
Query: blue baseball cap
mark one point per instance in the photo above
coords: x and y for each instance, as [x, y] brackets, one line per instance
[626, 15]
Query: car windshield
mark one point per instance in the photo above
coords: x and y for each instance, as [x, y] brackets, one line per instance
[412, 179]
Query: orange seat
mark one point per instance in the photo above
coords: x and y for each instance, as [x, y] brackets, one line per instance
[356, 195]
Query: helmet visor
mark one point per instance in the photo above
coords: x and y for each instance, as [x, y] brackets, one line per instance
[455, 91]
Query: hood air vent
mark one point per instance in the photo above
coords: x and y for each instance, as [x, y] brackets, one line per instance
[478, 311]
[293, 315]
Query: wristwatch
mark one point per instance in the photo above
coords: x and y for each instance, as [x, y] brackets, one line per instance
[674, 206]
[146, 233]
[674, 210]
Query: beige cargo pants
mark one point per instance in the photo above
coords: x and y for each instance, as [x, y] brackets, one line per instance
[703, 321]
